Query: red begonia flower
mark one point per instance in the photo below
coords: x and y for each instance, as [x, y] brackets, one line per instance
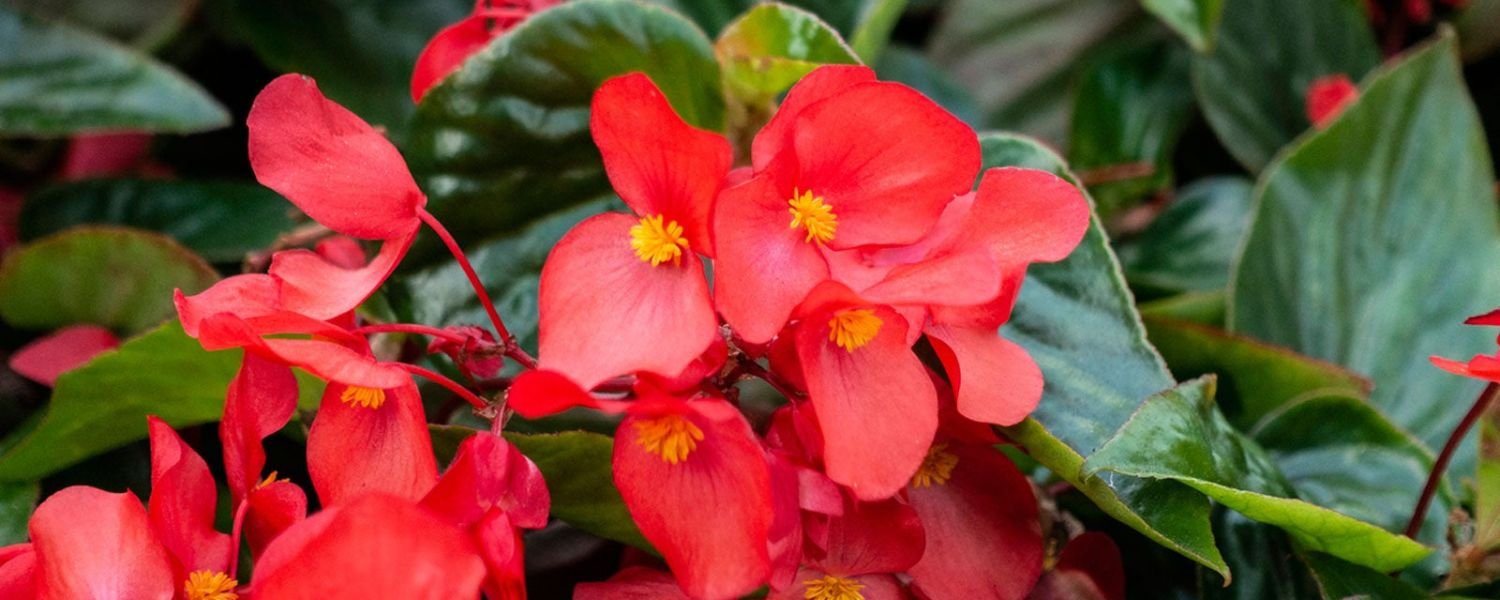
[330, 163]
[1089, 568]
[696, 483]
[90, 543]
[366, 440]
[375, 547]
[489, 473]
[1328, 96]
[875, 404]
[984, 537]
[46, 359]
[632, 583]
[181, 507]
[657, 317]
[448, 50]
[873, 164]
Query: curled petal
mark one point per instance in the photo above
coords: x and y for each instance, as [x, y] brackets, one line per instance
[260, 401]
[488, 472]
[995, 379]
[181, 508]
[314, 286]
[273, 508]
[447, 51]
[355, 449]
[537, 393]
[244, 296]
[93, 544]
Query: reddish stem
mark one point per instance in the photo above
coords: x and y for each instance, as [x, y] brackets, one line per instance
[453, 386]
[412, 328]
[1480, 404]
[463, 263]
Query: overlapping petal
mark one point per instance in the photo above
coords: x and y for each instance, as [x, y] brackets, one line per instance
[763, 269]
[181, 509]
[490, 473]
[260, 400]
[995, 379]
[355, 449]
[314, 286]
[90, 543]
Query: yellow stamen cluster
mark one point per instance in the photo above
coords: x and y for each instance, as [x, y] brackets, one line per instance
[210, 585]
[363, 397]
[657, 240]
[671, 437]
[853, 328]
[814, 215]
[936, 469]
[270, 479]
[833, 588]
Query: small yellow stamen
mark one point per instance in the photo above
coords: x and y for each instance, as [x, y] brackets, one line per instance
[363, 397]
[672, 437]
[210, 585]
[657, 240]
[833, 588]
[936, 469]
[810, 212]
[853, 328]
[270, 479]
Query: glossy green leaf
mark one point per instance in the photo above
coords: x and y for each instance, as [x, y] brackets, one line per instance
[59, 81]
[16, 503]
[1255, 378]
[1339, 580]
[1253, 86]
[220, 220]
[906, 65]
[1195, 20]
[1076, 319]
[1129, 111]
[104, 404]
[1190, 246]
[1179, 435]
[360, 51]
[1372, 258]
[141, 24]
[114, 277]
[505, 139]
[769, 48]
[1263, 559]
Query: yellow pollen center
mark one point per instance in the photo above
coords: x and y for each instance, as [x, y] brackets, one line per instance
[936, 469]
[270, 479]
[672, 437]
[657, 240]
[363, 397]
[833, 588]
[853, 328]
[811, 213]
[210, 585]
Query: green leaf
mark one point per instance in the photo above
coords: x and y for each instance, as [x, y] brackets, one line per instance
[873, 32]
[1256, 379]
[1128, 113]
[1203, 308]
[104, 404]
[1338, 580]
[577, 466]
[769, 48]
[1195, 20]
[144, 24]
[1253, 86]
[360, 51]
[1075, 317]
[906, 65]
[114, 277]
[220, 220]
[1179, 435]
[1263, 558]
[1190, 246]
[505, 139]
[16, 503]
[1487, 482]
[1373, 239]
[59, 81]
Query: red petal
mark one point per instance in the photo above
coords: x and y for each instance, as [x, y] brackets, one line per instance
[244, 296]
[995, 379]
[313, 286]
[984, 539]
[272, 509]
[93, 544]
[784, 536]
[260, 401]
[374, 547]
[653, 318]
[329, 162]
[501, 548]
[658, 164]
[764, 268]
[708, 515]
[956, 279]
[1479, 367]
[538, 393]
[876, 406]
[1025, 216]
[105, 154]
[182, 502]
[447, 51]
[822, 83]
[872, 537]
[46, 359]
[1328, 96]
[353, 451]
[489, 472]
[1491, 318]
[1096, 557]
[632, 583]
[885, 158]
[18, 572]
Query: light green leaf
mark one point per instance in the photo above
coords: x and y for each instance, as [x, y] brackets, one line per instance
[144, 24]
[769, 48]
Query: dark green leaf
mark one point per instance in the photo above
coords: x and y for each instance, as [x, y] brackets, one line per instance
[903, 64]
[104, 404]
[769, 48]
[1340, 580]
[1373, 240]
[141, 23]
[1191, 245]
[505, 139]
[1263, 560]
[1195, 20]
[221, 221]
[113, 277]
[1253, 86]
[16, 503]
[56, 80]
[1203, 308]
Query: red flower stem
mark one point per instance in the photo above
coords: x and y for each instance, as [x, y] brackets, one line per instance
[412, 328]
[1480, 404]
[463, 263]
[453, 386]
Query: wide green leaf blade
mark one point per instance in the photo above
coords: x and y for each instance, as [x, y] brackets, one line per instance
[1373, 239]
[1190, 246]
[113, 277]
[1195, 20]
[56, 81]
[505, 139]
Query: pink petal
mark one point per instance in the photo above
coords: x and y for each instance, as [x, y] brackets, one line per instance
[488, 472]
[822, 83]
[995, 379]
[447, 51]
[353, 451]
[763, 268]
[313, 286]
[93, 544]
[46, 359]
[181, 508]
